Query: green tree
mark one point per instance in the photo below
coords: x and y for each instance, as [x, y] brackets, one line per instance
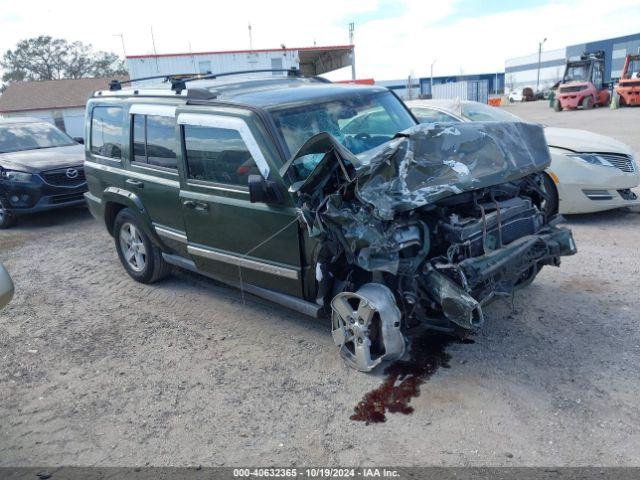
[47, 58]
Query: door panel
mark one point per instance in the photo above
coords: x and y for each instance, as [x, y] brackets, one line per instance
[228, 236]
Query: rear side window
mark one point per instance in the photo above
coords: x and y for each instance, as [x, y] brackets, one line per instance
[106, 132]
[217, 155]
[154, 140]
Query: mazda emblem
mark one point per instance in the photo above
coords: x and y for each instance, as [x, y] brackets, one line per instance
[72, 173]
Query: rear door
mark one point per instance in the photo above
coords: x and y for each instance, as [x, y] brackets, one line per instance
[153, 169]
[228, 236]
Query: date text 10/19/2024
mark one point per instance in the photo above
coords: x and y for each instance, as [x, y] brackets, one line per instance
[316, 472]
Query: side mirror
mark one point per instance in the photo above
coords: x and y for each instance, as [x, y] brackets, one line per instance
[80, 140]
[6, 287]
[261, 190]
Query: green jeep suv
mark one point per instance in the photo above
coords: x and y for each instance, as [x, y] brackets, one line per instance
[328, 199]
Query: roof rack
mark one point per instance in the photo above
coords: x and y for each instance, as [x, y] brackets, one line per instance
[179, 84]
[115, 85]
[178, 81]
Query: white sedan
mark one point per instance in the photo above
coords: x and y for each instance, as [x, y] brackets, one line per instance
[590, 172]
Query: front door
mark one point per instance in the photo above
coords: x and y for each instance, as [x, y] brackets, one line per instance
[229, 237]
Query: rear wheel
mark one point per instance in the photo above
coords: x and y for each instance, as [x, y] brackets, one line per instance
[7, 219]
[139, 256]
[587, 103]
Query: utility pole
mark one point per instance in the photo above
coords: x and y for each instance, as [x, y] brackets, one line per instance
[432, 64]
[250, 38]
[121, 35]
[539, 57]
[155, 52]
[352, 27]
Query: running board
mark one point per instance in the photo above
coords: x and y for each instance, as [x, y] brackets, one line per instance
[296, 304]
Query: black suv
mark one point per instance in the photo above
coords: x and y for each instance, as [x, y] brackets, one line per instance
[41, 168]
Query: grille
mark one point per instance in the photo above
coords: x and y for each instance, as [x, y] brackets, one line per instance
[620, 161]
[571, 89]
[71, 197]
[59, 177]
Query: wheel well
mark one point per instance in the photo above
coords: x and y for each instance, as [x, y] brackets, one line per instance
[551, 182]
[111, 210]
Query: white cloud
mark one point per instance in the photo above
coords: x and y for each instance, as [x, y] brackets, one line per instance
[403, 42]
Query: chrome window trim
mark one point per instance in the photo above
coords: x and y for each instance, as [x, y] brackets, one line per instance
[229, 123]
[244, 262]
[154, 110]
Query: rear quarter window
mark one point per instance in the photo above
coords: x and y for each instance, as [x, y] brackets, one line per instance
[106, 131]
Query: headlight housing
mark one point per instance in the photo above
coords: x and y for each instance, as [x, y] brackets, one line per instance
[15, 176]
[593, 159]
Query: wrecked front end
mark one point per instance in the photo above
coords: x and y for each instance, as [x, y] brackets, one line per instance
[426, 229]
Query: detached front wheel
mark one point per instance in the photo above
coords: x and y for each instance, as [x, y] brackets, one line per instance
[139, 256]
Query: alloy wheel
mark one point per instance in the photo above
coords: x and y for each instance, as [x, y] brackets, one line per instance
[132, 246]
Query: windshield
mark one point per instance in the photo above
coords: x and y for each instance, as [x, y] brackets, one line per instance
[358, 123]
[633, 70]
[31, 136]
[577, 73]
[479, 112]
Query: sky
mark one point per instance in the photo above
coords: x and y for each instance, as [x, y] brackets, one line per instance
[393, 38]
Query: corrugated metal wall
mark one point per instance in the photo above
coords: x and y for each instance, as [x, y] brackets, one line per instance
[219, 62]
[450, 90]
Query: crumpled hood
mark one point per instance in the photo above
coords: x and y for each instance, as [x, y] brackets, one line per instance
[583, 141]
[35, 161]
[357, 199]
[429, 162]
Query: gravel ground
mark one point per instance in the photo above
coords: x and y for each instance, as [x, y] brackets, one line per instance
[99, 370]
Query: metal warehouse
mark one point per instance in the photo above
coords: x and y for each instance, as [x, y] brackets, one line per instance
[522, 72]
[476, 87]
[309, 60]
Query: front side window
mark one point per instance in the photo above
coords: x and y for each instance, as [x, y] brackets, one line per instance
[154, 141]
[217, 155]
[31, 136]
[106, 132]
[360, 123]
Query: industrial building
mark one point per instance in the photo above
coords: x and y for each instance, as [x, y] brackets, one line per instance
[309, 60]
[522, 72]
[476, 87]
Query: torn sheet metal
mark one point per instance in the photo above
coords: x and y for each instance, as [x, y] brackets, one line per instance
[354, 199]
[430, 162]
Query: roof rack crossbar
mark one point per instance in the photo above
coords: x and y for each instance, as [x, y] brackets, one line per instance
[179, 80]
[179, 84]
[117, 84]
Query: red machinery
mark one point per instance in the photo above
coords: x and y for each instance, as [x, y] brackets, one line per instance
[583, 84]
[629, 85]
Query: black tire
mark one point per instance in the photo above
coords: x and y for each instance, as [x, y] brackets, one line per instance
[587, 102]
[557, 106]
[153, 267]
[551, 205]
[7, 220]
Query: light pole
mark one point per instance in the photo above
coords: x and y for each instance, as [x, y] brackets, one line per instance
[432, 64]
[352, 27]
[539, 57]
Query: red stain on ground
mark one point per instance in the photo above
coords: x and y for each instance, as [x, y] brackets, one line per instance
[404, 378]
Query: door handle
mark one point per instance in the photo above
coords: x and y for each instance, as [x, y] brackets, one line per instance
[134, 183]
[193, 205]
